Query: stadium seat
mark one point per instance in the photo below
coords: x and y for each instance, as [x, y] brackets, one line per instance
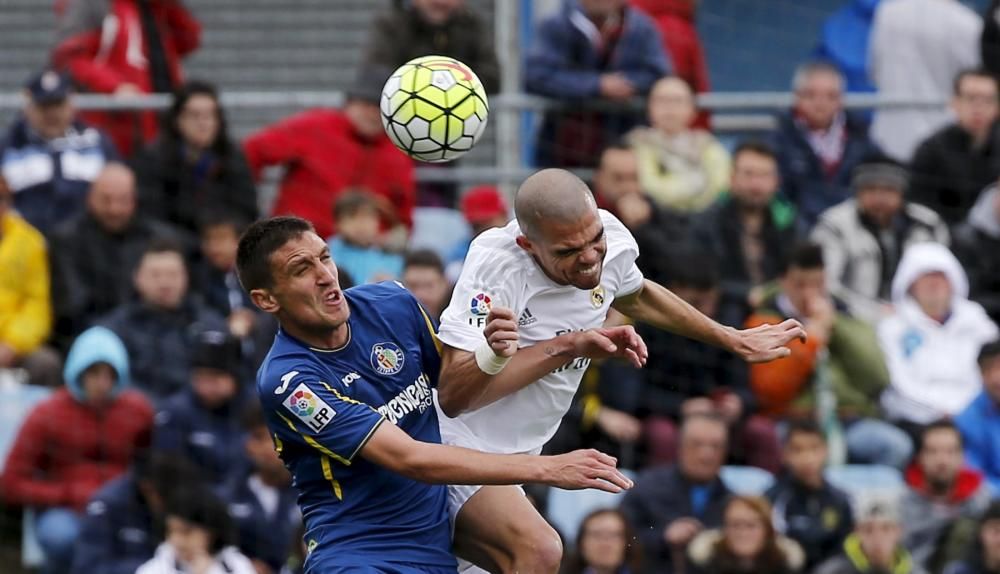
[859, 480]
[747, 480]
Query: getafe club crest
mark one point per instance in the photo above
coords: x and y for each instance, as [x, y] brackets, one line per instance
[597, 297]
[387, 358]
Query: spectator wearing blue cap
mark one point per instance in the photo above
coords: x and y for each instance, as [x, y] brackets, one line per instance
[49, 157]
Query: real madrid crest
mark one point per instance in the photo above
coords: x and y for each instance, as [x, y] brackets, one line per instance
[597, 297]
[387, 358]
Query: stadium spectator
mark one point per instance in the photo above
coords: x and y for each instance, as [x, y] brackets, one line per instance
[75, 441]
[605, 543]
[93, 255]
[989, 44]
[983, 556]
[160, 327]
[123, 521]
[915, 49]
[675, 21]
[977, 245]
[440, 27]
[49, 157]
[423, 274]
[681, 168]
[262, 500]
[748, 231]
[864, 238]
[932, 338]
[952, 166]
[818, 142]
[194, 165]
[201, 422]
[198, 537]
[693, 377]
[483, 208]
[357, 247]
[941, 494]
[840, 348]
[594, 49]
[807, 508]
[980, 421]
[25, 306]
[746, 542]
[670, 505]
[126, 47]
[329, 152]
[875, 546]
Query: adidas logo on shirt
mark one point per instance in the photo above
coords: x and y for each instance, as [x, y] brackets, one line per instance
[526, 318]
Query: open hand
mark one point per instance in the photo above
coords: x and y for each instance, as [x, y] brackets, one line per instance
[604, 343]
[767, 342]
[501, 331]
[585, 469]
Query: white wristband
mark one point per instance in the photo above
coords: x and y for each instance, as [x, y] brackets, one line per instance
[488, 361]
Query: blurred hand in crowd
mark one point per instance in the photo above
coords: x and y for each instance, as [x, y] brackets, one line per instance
[619, 425]
[680, 532]
[616, 87]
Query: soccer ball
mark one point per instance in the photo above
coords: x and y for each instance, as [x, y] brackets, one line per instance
[434, 108]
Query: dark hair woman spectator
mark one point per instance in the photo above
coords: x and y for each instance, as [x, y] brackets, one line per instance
[747, 543]
[194, 165]
[605, 544]
[984, 557]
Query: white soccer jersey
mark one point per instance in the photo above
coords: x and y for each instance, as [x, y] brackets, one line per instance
[498, 272]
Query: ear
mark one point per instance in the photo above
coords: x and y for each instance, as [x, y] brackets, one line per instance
[263, 299]
[524, 243]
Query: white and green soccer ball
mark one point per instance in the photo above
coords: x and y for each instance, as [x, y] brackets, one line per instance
[434, 108]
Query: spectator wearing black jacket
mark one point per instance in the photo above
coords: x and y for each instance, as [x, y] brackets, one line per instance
[952, 166]
[989, 44]
[194, 165]
[693, 377]
[807, 508]
[93, 255]
[160, 328]
[977, 246]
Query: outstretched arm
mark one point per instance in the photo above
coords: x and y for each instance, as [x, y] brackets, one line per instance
[392, 448]
[656, 305]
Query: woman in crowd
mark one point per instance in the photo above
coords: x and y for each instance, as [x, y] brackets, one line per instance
[194, 165]
[605, 544]
[747, 543]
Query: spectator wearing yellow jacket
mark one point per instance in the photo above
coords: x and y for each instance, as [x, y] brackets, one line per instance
[681, 168]
[25, 308]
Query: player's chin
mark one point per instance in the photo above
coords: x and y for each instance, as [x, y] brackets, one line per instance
[587, 280]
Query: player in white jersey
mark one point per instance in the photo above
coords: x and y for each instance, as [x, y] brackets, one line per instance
[523, 324]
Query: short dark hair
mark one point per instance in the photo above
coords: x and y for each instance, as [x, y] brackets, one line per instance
[938, 425]
[259, 242]
[199, 506]
[803, 255]
[218, 217]
[692, 268]
[956, 86]
[988, 351]
[423, 258]
[351, 202]
[759, 147]
[252, 417]
[164, 471]
[162, 244]
[805, 426]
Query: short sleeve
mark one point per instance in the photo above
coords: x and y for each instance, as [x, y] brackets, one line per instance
[622, 254]
[303, 409]
[490, 278]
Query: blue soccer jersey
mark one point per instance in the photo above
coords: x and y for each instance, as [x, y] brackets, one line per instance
[323, 405]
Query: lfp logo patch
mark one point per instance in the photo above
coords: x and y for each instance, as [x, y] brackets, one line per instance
[481, 304]
[387, 359]
[309, 408]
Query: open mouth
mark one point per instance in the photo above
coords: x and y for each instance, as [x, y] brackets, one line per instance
[334, 298]
[593, 269]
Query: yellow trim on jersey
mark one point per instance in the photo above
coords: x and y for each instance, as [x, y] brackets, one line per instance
[328, 474]
[278, 446]
[337, 394]
[430, 327]
[312, 442]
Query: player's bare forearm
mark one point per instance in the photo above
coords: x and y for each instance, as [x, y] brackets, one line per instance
[657, 306]
[392, 448]
[463, 386]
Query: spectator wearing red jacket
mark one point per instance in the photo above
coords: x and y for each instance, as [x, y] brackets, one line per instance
[125, 47]
[75, 441]
[326, 152]
[675, 20]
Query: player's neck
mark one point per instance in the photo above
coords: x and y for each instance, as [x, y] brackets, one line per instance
[327, 340]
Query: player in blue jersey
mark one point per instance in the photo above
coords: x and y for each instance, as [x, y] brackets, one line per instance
[346, 389]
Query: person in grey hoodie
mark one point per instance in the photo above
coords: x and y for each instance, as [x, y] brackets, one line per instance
[977, 245]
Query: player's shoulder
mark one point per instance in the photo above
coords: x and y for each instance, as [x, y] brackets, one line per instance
[496, 252]
[380, 293]
[287, 360]
[618, 236]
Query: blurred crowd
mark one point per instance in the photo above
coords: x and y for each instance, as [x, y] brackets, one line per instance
[879, 232]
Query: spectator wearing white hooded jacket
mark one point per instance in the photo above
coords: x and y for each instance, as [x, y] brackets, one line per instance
[932, 338]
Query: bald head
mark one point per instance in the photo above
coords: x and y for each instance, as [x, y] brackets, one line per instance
[551, 195]
[111, 200]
